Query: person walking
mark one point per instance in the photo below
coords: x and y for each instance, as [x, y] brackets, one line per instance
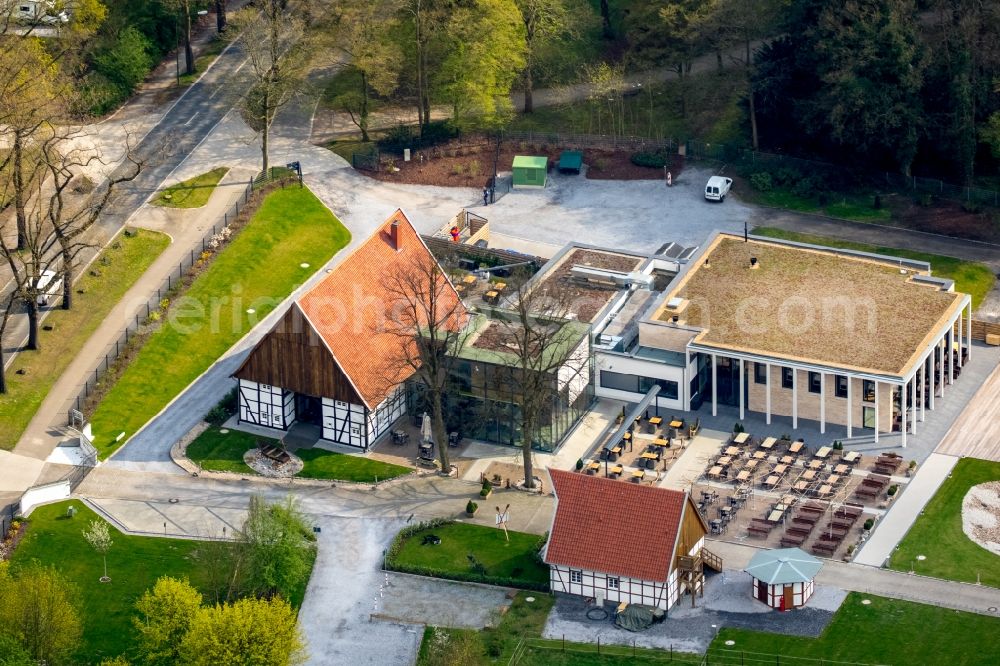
[486, 196]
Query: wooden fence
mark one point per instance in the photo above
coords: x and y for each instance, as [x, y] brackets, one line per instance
[980, 329]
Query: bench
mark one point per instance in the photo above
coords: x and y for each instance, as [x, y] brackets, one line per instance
[757, 530]
[424, 461]
[791, 541]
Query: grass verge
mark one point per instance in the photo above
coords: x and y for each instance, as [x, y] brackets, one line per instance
[970, 277]
[223, 452]
[191, 193]
[938, 534]
[847, 206]
[513, 563]
[256, 272]
[117, 269]
[886, 631]
[204, 59]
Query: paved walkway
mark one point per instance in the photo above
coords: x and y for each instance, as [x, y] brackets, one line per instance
[976, 432]
[904, 512]
[186, 227]
[883, 582]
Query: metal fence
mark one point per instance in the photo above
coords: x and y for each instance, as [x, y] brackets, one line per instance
[154, 304]
[597, 141]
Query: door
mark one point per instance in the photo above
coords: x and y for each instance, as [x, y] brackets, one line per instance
[762, 591]
[788, 599]
[308, 409]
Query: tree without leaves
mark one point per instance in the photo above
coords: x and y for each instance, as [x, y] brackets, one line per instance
[270, 34]
[41, 610]
[550, 353]
[429, 321]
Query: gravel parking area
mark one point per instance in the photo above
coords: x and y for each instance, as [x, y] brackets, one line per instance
[689, 629]
[441, 603]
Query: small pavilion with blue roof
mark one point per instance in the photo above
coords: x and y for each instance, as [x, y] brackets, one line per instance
[784, 578]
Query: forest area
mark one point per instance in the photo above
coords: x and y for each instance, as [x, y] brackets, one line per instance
[907, 86]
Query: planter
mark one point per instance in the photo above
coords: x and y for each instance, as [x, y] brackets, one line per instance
[484, 496]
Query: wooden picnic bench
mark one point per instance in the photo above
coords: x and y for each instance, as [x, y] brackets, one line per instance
[806, 518]
[799, 531]
[275, 453]
[824, 548]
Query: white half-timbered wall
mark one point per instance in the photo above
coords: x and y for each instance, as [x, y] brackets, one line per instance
[266, 405]
[592, 584]
[344, 423]
[775, 593]
[386, 414]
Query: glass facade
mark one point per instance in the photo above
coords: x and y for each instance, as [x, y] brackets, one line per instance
[483, 404]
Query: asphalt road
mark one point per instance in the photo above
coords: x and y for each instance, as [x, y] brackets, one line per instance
[178, 133]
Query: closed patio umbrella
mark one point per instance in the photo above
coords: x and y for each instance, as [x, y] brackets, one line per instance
[425, 428]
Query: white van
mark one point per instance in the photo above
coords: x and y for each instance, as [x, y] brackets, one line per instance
[49, 287]
[717, 188]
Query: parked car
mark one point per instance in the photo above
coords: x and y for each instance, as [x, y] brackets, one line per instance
[49, 287]
[717, 188]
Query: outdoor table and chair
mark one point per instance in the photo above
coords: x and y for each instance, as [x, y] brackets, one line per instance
[768, 443]
[715, 472]
[460, 288]
[787, 460]
[851, 457]
[816, 464]
[709, 496]
[638, 475]
[823, 452]
[833, 479]
[751, 464]
[771, 481]
[616, 470]
[801, 486]
[593, 467]
[492, 297]
[744, 475]
[653, 424]
[732, 451]
[841, 469]
[726, 512]
[796, 447]
[725, 461]
[741, 438]
[809, 474]
[760, 455]
[400, 437]
[780, 469]
[775, 515]
[659, 441]
[677, 423]
[469, 279]
[824, 490]
[649, 459]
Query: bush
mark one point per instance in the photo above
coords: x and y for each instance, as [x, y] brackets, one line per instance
[403, 136]
[579, 464]
[869, 523]
[471, 507]
[222, 411]
[762, 182]
[972, 207]
[652, 159]
[893, 489]
[787, 176]
[126, 61]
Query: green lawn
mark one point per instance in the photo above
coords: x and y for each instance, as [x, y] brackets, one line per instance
[191, 193]
[970, 277]
[134, 564]
[117, 268]
[938, 534]
[885, 632]
[220, 452]
[503, 559]
[257, 270]
[856, 207]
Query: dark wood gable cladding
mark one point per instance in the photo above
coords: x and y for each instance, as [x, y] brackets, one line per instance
[293, 356]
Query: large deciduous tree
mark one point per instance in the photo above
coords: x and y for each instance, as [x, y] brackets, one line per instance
[41, 611]
[165, 614]
[365, 33]
[246, 632]
[270, 33]
[430, 322]
[279, 547]
[544, 21]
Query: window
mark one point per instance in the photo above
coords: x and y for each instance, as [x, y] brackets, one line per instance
[613, 582]
[575, 576]
[619, 382]
[841, 386]
[787, 378]
[868, 390]
[815, 382]
[635, 384]
[868, 417]
[760, 373]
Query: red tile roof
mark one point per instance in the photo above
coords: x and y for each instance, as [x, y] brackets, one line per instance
[352, 310]
[614, 527]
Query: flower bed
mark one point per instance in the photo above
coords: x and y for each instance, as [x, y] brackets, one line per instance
[13, 537]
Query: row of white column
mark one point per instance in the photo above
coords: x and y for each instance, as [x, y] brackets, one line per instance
[948, 361]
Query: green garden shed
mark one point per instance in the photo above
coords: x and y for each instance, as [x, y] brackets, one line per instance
[529, 171]
[571, 161]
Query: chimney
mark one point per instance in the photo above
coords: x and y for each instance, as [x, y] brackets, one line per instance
[394, 236]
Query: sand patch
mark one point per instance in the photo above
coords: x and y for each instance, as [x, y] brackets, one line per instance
[981, 515]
